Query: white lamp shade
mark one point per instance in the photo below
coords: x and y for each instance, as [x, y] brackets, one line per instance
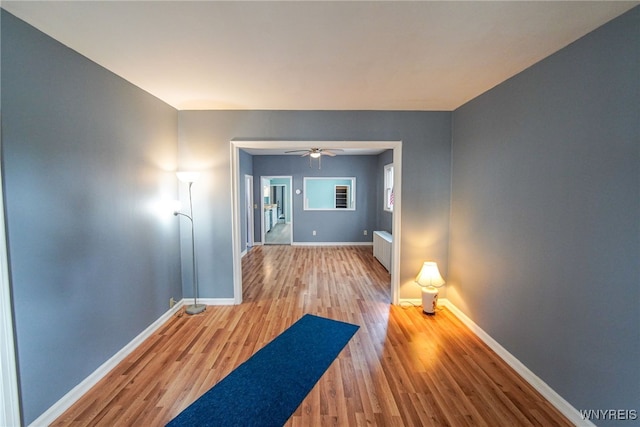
[429, 275]
[315, 154]
[188, 176]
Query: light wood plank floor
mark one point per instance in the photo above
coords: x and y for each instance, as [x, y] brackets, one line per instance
[402, 368]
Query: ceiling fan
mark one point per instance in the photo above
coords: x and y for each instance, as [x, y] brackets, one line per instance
[316, 153]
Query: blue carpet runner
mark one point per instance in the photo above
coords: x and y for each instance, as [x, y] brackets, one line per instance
[266, 389]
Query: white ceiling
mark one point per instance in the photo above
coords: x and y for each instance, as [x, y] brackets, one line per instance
[307, 55]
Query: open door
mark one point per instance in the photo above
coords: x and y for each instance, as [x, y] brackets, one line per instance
[277, 221]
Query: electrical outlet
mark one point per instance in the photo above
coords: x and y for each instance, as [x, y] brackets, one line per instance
[313, 232]
[365, 232]
[172, 302]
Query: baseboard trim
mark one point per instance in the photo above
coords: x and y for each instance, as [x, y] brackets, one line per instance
[332, 244]
[543, 388]
[58, 408]
[210, 301]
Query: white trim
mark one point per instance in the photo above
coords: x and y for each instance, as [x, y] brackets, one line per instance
[397, 223]
[385, 206]
[236, 220]
[243, 253]
[332, 244]
[211, 301]
[10, 407]
[58, 408]
[263, 183]
[248, 190]
[543, 388]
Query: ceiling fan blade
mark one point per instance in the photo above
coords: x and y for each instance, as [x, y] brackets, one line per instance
[328, 153]
[305, 154]
[295, 151]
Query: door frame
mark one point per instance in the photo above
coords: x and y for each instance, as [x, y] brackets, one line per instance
[270, 177]
[236, 145]
[10, 410]
[248, 197]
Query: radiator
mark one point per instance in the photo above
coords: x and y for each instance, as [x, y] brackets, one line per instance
[382, 248]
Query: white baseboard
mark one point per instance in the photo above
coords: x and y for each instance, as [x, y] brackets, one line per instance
[543, 388]
[324, 244]
[58, 408]
[210, 301]
[332, 244]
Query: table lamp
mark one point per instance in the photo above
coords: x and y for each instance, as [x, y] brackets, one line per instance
[429, 279]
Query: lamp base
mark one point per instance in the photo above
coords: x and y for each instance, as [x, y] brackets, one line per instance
[429, 300]
[195, 308]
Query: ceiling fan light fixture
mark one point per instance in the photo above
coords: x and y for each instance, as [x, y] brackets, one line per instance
[315, 154]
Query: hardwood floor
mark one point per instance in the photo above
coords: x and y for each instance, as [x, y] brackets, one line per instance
[402, 368]
[280, 234]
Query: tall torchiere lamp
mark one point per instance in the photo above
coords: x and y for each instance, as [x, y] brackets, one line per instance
[430, 279]
[190, 178]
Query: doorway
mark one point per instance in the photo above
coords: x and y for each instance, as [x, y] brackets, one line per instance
[236, 220]
[277, 221]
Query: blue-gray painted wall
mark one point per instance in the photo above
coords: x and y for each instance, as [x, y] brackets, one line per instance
[204, 144]
[87, 157]
[275, 165]
[330, 226]
[545, 226]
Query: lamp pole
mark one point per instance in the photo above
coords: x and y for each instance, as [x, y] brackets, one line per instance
[195, 308]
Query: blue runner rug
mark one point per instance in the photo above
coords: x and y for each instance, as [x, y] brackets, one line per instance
[266, 389]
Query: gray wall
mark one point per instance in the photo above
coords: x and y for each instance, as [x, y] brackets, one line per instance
[86, 158]
[330, 226]
[426, 155]
[545, 234]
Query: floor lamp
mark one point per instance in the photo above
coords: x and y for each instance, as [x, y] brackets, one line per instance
[190, 177]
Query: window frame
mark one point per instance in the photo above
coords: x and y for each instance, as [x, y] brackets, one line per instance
[388, 188]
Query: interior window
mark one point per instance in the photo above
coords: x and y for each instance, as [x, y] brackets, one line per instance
[329, 193]
[388, 187]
